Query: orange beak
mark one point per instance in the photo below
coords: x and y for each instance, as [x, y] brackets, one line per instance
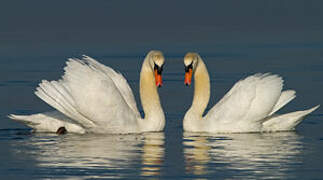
[158, 78]
[188, 77]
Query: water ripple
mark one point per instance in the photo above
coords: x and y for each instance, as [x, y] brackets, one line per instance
[93, 156]
[253, 155]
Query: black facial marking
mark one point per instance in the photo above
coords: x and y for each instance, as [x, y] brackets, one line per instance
[188, 67]
[159, 69]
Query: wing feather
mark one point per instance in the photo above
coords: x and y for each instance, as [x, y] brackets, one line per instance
[250, 100]
[88, 95]
[120, 82]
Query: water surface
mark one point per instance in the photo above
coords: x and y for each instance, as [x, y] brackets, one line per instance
[235, 39]
[171, 154]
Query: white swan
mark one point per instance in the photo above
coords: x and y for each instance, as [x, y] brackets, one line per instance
[249, 106]
[92, 97]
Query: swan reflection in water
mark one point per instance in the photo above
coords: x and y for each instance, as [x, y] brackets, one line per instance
[96, 156]
[247, 155]
[153, 154]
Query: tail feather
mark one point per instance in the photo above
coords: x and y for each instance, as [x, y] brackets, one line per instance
[286, 122]
[48, 122]
[26, 119]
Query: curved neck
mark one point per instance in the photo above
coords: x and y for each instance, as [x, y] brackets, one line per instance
[201, 88]
[154, 115]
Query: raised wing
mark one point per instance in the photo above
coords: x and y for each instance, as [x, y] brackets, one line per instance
[88, 95]
[250, 100]
[120, 82]
[285, 97]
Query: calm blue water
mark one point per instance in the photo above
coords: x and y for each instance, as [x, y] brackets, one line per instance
[235, 39]
[171, 154]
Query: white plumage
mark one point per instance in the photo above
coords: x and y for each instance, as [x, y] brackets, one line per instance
[249, 106]
[92, 97]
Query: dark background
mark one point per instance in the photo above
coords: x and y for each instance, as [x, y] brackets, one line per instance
[42, 27]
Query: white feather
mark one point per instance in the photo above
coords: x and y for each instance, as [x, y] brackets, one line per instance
[249, 106]
[285, 98]
[92, 97]
[48, 122]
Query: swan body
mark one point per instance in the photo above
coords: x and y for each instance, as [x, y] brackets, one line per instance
[250, 105]
[93, 98]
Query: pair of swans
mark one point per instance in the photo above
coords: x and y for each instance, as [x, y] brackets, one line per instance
[93, 98]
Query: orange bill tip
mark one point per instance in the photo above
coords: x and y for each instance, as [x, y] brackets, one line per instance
[188, 77]
[158, 79]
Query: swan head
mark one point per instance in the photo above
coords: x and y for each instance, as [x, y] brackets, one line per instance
[157, 62]
[190, 63]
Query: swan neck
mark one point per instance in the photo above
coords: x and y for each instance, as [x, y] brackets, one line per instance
[201, 88]
[154, 115]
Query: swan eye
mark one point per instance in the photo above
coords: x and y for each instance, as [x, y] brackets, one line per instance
[158, 68]
[190, 66]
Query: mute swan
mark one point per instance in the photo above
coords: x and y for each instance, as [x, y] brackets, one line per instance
[249, 106]
[93, 98]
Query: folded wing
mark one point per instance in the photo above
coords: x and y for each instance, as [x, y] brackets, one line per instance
[250, 100]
